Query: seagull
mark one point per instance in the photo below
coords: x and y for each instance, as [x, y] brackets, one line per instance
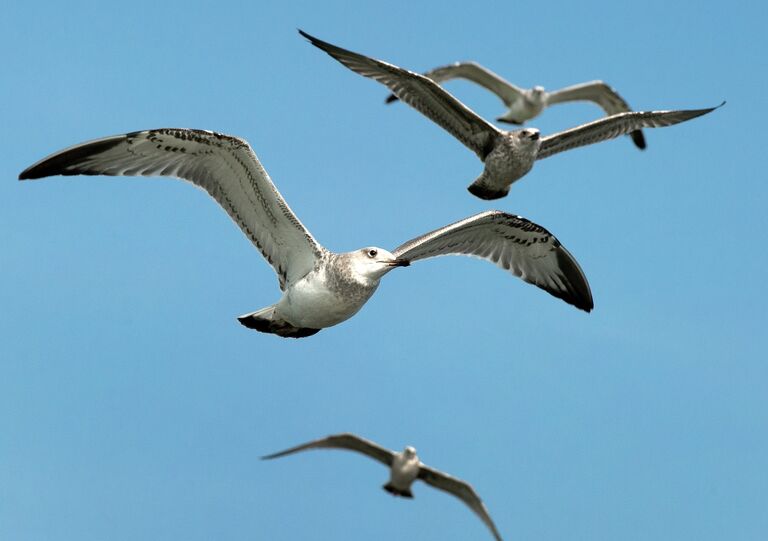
[528, 103]
[320, 288]
[404, 468]
[507, 155]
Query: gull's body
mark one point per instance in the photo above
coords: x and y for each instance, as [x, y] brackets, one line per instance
[404, 468]
[320, 288]
[507, 155]
[524, 104]
[326, 296]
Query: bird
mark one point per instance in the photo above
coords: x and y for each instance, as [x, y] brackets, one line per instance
[404, 468]
[528, 103]
[507, 155]
[320, 288]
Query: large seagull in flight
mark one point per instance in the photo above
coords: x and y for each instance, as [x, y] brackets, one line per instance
[320, 288]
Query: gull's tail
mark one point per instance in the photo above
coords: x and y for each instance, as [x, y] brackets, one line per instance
[484, 190]
[264, 321]
[389, 487]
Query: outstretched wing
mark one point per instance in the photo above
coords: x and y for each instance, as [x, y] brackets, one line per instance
[421, 93]
[600, 93]
[224, 166]
[613, 126]
[460, 489]
[472, 71]
[522, 247]
[350, 442]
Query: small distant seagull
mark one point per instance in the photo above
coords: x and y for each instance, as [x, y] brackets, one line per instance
[507, 155]
[405, 468]
[320, 288]
[527, 103]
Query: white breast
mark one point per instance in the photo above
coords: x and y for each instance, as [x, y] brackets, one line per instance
[311, 303]
[403, 471]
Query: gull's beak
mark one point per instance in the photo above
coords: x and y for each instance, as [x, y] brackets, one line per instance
[399, 263]
[535, 136]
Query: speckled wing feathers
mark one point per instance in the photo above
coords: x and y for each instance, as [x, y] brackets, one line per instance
[350, 442]
[460, 489]
[421, 93]
[472, 71]
[613, 126]
[222, 165]
[600, 93]
[595, 91]
[524, 248]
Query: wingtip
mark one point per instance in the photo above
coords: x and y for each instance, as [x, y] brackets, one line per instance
[582, 300]
[391, 99]
[312, 39]
[37, 171]
[710, 109]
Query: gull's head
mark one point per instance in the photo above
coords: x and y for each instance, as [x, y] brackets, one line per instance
[409, 452]
[538, 91]
[373, 262]
[528, 137]
[530, 134]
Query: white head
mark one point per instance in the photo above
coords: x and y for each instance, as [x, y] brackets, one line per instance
[409, 452]
[528, 136]
[373, 262]
[538, 91]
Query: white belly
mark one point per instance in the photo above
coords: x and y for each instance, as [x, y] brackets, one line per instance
[525, 109]
[403, 472]
[310, 303]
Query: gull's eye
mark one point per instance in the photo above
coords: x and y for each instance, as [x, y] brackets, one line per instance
[372, 252]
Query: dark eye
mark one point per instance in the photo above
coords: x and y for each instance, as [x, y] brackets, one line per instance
[372, 252]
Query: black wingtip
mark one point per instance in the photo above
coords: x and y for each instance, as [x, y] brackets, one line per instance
[579, 294]
[391, 99]
[710, 109]
[700, 112]
[312, 39]
[67, 161]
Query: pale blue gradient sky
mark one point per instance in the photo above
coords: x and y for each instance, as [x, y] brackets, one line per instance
[134, 406]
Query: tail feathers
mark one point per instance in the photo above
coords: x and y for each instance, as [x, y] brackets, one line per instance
[482, 190]
[264, 321]
[510, 121]
[405, 493]
[638, 138]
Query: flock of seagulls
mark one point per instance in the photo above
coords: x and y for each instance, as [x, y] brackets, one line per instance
[321, 288]
[507, 155]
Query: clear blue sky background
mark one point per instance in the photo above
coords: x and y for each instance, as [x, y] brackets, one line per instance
[134, 406]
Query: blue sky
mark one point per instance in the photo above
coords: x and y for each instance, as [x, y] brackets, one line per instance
[134, 406]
